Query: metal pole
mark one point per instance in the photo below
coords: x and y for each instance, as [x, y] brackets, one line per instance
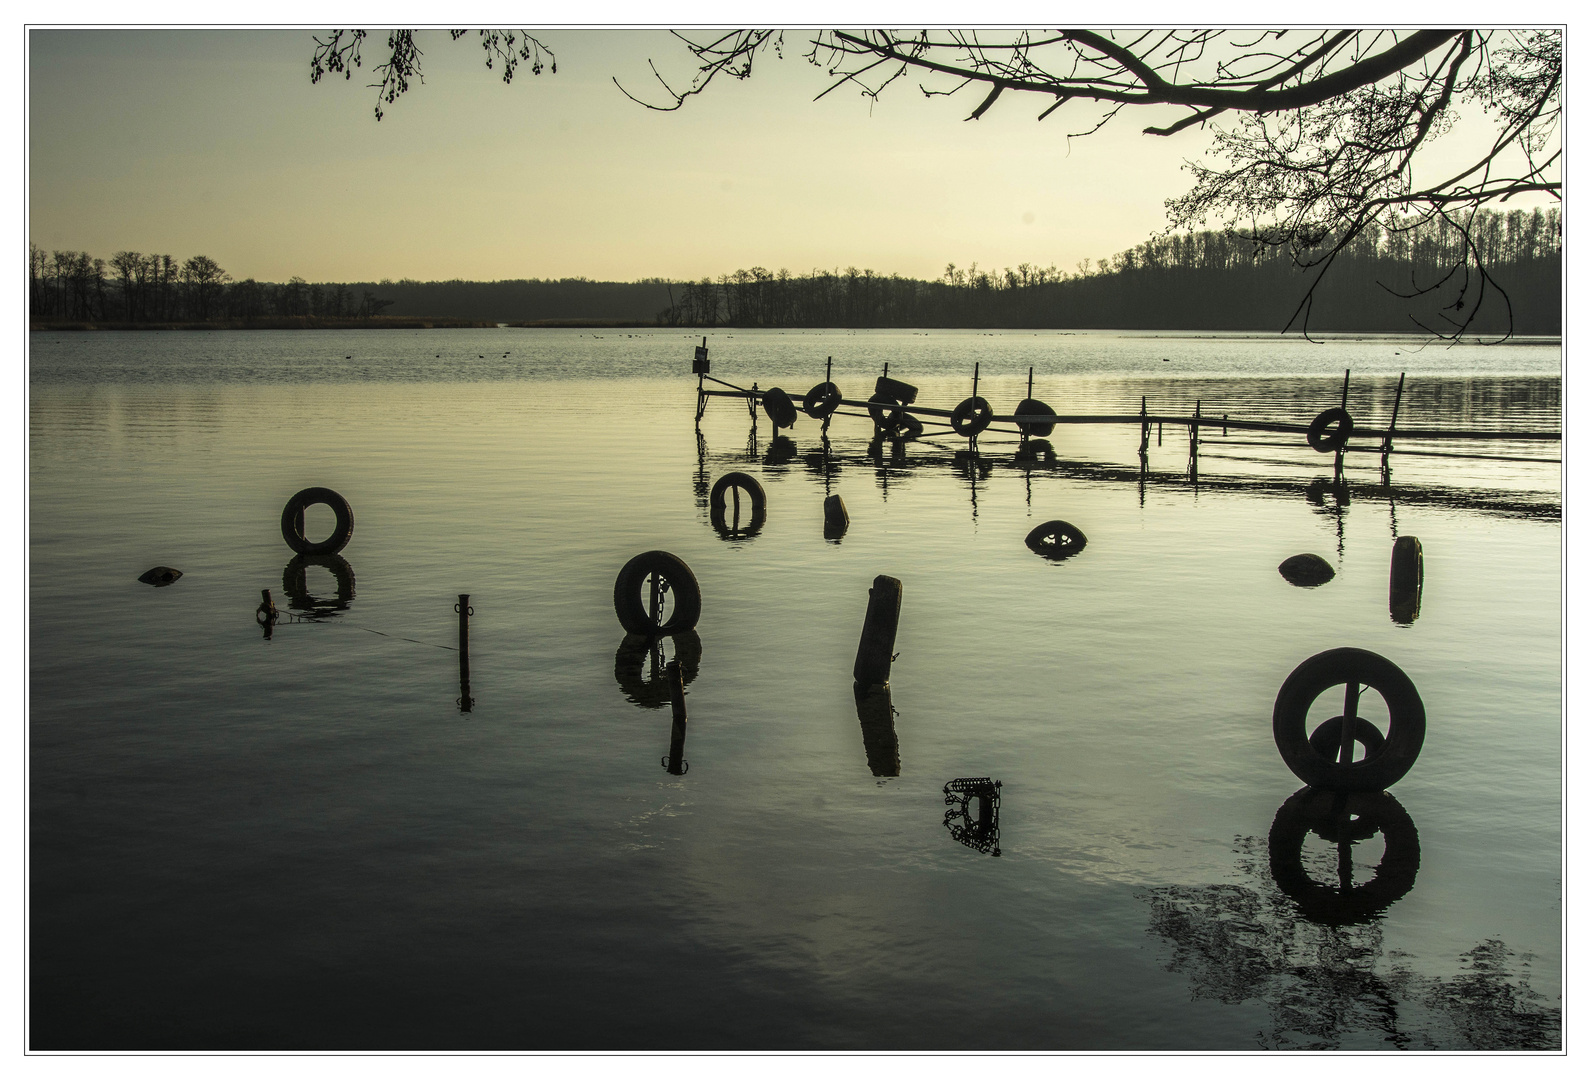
[1386, 443]
[466, 702]
[1345, 373]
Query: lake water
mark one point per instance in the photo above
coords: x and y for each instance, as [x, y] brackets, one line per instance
[304, 841]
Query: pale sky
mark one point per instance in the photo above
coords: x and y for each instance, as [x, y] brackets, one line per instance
[214, 142]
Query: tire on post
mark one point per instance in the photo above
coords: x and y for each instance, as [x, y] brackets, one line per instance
[293, 522]
[889, 422]
[780, 409]
[676, 579]
[1325, 437]
[1034, 407]
[821, 401]
[971, 417]
[1335, 667]
[718, 505]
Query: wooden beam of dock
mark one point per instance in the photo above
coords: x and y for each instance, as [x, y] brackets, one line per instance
[1187, 421]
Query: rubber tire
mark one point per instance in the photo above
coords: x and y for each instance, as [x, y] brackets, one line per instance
[1307, 571]
[971, 417]
[718, 505]
[293, 522]
[1312, 810]
[1334, 667]
[895, 390]
[1030, 406]
[909, 427]
[780, 409]
[631, 609]
[821, 400]
[890, 424]
[1327, 739]
[1075, 540]
[295, 584]
[1319, 440]
[717, 499]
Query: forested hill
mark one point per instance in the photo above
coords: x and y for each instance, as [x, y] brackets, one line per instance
[1383, 282]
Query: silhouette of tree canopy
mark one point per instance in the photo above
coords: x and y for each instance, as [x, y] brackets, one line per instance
[1317, 134]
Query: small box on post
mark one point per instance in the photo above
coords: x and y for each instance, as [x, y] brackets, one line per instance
[701, 365]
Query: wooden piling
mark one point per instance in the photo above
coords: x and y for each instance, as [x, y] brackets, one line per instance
[835, 518]
[676, 742]
[875, 652]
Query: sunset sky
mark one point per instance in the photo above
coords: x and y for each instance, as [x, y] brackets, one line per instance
[215, 142]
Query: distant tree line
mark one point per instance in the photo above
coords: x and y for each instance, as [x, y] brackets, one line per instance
[1383, 281]
[137, 288]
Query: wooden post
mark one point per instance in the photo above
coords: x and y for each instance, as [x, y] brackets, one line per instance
[1345, 373]
[875, 652]
[1143, 427]
[1193, 430]
[466, 702]
[1386, 443]
[1350, 721]
[676, 742]
[976, 365]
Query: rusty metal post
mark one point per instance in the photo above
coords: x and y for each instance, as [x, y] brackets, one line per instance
[465, 702]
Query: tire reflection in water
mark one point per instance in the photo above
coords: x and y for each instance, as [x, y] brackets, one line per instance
[295, 585]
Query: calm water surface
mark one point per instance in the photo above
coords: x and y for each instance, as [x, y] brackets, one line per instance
[302, 841]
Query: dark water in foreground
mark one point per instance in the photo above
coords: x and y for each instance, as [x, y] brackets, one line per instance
[303, 842]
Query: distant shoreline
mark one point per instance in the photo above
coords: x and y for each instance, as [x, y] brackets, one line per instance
[380, 322]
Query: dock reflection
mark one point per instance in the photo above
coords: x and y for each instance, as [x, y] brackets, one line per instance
[640, 666]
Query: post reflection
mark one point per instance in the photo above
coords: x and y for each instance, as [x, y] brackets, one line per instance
[876, 713]
[295, 585]
[1343, 819]
[640, 665]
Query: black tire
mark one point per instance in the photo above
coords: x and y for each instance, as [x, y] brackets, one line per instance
[971, 417]
[295, 584]
[293, 522]
[1056, 540]
[1405, 731]
[1327, 739]
[630, 663]
[1326, 442]
[1306, 571]
[895, 390]
[632, 609]
[1325, 813]
[719, 497]
[780, 409]
[888, 422]
[1034, 407]
[909, 427]
[821, 400]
